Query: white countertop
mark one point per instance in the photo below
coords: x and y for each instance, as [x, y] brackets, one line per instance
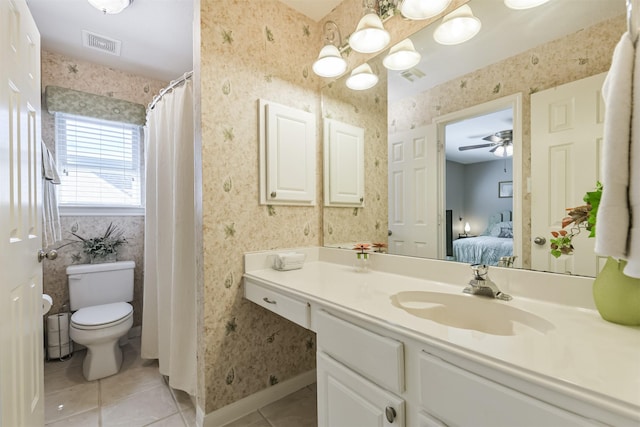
[593, 358]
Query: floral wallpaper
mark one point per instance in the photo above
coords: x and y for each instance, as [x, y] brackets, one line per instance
[576, 56]
[62, 71]
[248, 53]
[366, 109]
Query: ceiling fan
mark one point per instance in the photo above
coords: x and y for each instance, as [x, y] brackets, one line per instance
[501, 142]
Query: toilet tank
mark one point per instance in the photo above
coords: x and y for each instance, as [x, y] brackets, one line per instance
[96, 284]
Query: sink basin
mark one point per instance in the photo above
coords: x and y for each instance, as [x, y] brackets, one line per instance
[469, 312]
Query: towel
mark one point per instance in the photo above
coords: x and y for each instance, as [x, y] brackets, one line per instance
[612, 226]
[51, 215]
[632, 269]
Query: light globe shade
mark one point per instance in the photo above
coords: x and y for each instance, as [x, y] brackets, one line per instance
[467, 227]
[402, 56]
[523, 4]
[370, 35]
[457, 27]
[362, 78]
[504, 151]
[110, 6]
[329, 63]
[423, 9]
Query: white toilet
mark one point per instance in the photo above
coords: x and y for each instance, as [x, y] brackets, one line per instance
[100, 295]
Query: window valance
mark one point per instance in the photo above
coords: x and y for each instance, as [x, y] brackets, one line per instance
[63, 100]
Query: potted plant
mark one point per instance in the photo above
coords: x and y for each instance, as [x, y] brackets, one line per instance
[616, 296]
[102, 248]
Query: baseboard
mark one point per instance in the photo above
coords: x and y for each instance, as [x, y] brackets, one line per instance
[257, 400]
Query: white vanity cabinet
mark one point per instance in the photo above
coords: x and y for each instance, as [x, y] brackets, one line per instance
[358, 373]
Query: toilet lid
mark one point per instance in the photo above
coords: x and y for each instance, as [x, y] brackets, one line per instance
[101, 314]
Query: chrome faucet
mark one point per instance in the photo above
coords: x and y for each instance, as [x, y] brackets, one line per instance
[482, 285]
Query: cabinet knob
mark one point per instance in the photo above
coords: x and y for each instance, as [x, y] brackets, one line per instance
[273, 194]
[390, 413]
[361, 199]
[539, 240]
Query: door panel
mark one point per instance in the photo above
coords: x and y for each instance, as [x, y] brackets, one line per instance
[21, 343]
[413, 174]
[566, 138]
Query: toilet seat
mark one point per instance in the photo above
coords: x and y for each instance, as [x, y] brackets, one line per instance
[101, 316]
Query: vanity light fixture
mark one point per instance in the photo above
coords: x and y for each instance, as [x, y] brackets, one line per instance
[110, 7]
[523, 4]
[370, 35]
[330, 62]
[402, 56]
[362, 78]
[457, 27]
[423, 9]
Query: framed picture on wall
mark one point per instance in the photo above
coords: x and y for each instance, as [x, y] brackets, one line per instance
[505, 189]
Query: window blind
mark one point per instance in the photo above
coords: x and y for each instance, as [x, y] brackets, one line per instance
[100, 162]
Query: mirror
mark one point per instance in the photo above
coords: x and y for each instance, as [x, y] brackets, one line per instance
[516, 54]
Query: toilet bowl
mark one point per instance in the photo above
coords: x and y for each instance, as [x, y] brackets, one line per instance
[99, 328]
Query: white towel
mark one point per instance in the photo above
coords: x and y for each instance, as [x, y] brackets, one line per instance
[612, 226]
[632, 268]
[51, 215]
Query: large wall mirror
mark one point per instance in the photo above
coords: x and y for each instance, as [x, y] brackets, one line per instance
[457, 164]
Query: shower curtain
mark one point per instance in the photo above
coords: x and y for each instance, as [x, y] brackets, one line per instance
[169, 310]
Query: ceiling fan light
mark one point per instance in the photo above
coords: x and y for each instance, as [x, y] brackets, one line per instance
[457, 27]
[362, 78]
[523, 4]
[402, 56]
[110, 7]
[370, 35]
[423, 9]
[329, 63]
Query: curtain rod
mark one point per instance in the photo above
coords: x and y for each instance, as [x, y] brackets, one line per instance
[173, 84]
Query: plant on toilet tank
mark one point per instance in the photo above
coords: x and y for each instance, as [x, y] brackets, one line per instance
[102, 248]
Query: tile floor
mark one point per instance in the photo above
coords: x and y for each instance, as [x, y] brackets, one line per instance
[139, 396]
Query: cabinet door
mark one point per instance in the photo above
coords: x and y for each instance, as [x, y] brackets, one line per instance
[345, 399]
[287, 155]
[344, 164]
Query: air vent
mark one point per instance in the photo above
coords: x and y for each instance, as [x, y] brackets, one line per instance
[413, 74]
[101, 43]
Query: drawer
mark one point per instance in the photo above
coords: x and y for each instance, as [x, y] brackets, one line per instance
[379, 358]
[290, 308]
[460, 398]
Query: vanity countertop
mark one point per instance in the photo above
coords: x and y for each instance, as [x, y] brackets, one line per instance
[581, 354]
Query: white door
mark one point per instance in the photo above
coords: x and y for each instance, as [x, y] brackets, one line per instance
[413, 176]
[21, 344]
[345, 399]
[566, 137]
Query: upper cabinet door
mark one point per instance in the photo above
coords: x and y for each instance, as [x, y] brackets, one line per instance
[287, 155]
[344, 164]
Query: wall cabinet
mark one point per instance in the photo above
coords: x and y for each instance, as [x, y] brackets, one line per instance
[287, 155]
[343, 164]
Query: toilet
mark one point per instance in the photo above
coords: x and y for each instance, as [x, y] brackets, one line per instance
[99, 297]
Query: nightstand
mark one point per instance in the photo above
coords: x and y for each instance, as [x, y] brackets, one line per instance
[464, 236]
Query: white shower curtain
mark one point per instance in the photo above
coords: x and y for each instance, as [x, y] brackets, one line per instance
[169, 315]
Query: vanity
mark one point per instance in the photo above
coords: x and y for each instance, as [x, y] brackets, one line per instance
[402, 345]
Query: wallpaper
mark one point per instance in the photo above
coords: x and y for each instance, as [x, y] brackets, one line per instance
[249, 53]
[59, 70]
[576, 56]
[366, 109]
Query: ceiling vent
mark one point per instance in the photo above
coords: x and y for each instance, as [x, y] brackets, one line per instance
[412, 74]
[101, 43]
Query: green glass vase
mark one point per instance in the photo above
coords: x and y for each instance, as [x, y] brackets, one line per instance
[617, 297]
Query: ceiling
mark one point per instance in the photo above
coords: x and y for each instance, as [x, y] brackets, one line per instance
[156, 35]
[314, 9]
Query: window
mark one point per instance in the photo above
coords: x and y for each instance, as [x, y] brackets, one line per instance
[101, 164]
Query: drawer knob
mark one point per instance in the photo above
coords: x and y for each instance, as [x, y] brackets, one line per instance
[269, 301]
[390, 413]
[273, 194]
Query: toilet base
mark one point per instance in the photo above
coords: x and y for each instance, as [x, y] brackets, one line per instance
[102, 360]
